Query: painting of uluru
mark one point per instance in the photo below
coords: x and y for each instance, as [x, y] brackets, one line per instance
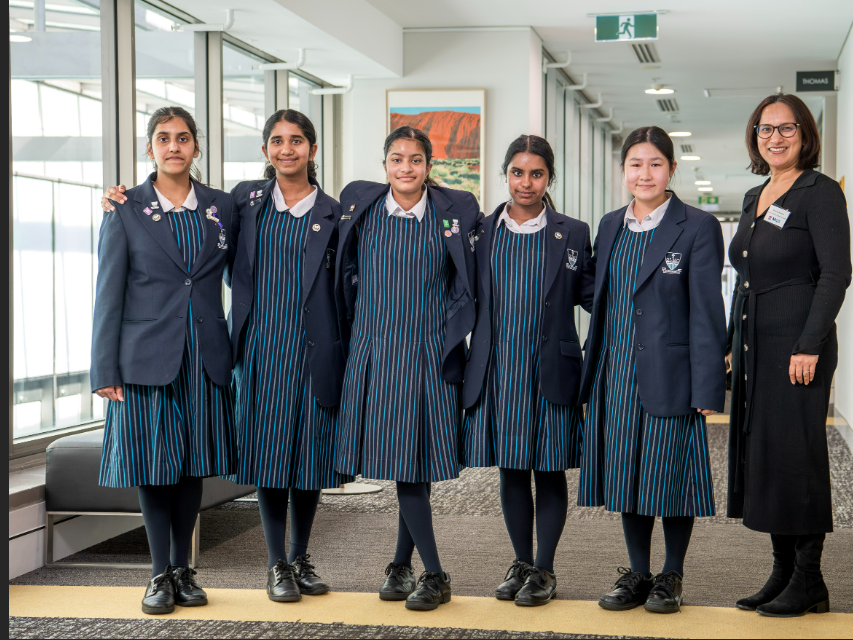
[455, 133]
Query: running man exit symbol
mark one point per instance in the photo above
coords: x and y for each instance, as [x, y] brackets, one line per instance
[641, 26]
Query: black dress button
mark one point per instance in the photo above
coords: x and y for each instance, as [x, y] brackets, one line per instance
[641, 347]
[307, 309]
[200, 319]
[310, 344]
[188, 282]
[639, 312]
[547, 304]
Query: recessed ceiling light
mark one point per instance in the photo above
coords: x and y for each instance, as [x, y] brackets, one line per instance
[679, 134]
[706, 188]
[702, 182]
[659, 90]
[14, 37]
[690, 158]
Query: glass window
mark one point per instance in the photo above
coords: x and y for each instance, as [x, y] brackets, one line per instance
[243, 112]
[57, 178]
[300, 98]
[165, 73]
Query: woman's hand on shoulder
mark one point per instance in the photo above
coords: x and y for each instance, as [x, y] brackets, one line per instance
[113, 193]
[802, 368]
[115, 393]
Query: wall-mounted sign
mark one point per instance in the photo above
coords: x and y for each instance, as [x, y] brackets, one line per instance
[640, 26]
[816, 81]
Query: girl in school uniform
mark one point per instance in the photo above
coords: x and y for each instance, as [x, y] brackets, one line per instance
[405, 273]
[522, 378]
[289, 362]
[654, 370]
[161, 352]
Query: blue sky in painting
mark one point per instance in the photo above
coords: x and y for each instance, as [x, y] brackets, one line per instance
[412, 110]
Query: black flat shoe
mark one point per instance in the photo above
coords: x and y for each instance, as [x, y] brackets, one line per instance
[433, 589]
[187, 591]
[160, 595]
[399, 584]
[281, 585]
[666, 596]
[513, 581]
[310, 584]
[539, 588]
[806, 593]
[630, 591]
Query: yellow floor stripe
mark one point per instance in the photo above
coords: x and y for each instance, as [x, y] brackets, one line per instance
[723, 418]
[561, 616]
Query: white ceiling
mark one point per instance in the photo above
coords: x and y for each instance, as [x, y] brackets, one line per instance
[724, 44]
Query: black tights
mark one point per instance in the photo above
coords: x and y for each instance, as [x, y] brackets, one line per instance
[169, 512]
[638, 536]
[414, 528]
[273, 507]
[552, 503]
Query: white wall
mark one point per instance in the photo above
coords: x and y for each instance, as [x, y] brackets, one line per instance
[507, 64]
[844, 168]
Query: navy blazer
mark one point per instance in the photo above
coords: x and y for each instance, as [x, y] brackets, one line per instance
[450, 204]
[326, 359]
[569, 281]
[679, 316]
[143, 295]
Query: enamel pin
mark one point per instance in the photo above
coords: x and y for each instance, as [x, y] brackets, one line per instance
[146, 211]
[352, 207]
[558, 235]
[316, 227]
[155, 217]
[155, 205]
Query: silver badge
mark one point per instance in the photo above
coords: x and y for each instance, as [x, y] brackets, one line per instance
[672, 260]
[221, 243]
[572, 256]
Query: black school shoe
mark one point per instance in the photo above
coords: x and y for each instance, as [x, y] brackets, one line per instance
[160, 594]
[433, 589]
[399, 584]
[281, 585]
[187, 591]
[630, 591]
[666, 596]
[513, 581]
[310, 584]
[539, 588]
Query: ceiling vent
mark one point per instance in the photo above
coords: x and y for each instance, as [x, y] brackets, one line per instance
[669, 105]
[646, 53]
[687, 148]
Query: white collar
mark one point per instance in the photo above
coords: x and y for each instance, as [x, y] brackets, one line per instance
[190, 203]
[649, 222]
[531, 226]
[394, 209]
[300, 208]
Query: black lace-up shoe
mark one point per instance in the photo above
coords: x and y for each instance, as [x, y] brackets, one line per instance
[160, 595]
[433, 589]
[281, 585]
[630, 591]
[310, 584]
[187, 591]
[399, 584]
[513, 581]
[666, 596]
[539, 588]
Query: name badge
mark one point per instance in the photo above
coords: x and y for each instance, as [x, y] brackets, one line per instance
[777, 216]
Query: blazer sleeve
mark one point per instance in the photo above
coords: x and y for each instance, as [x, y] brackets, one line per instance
[109, 301]
[234, 237]
[587, 292]
[829, 227]
[707, 318]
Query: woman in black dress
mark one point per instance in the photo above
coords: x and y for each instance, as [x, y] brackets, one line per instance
[792, 256]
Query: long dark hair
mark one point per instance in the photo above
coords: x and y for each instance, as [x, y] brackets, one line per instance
[807, 128]
[539, 147]
[410, 133]
[305, 125]
[164, 114]
[656, 137]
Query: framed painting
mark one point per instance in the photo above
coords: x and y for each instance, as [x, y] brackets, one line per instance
[454, 121]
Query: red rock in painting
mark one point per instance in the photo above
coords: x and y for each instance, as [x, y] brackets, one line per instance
[453, 134]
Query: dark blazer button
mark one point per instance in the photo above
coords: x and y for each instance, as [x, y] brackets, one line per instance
[544, 338]
[639, 312]
[641, 347]
[188, 282]
[547, 304]
[310, 344]
[307, 309]
[200, 319]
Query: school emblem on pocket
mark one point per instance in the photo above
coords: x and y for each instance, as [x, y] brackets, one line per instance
[222, 244]
[672, 260]
[572, 256]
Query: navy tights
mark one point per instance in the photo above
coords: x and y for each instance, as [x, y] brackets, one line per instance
[169, 512]
[273, 505]
[638, 536]
[414, 528]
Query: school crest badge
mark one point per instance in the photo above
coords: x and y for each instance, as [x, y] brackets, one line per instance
[672, 261]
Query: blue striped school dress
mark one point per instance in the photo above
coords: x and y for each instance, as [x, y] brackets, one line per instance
[286, 439]
[185, 428]
[512, 425]
[400, 418]
[634, 462]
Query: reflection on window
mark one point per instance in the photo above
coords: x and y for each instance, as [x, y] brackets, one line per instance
[165, 73]
[58, 173]
[243, 113]
[300, 98]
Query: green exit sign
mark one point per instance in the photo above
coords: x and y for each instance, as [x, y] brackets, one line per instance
[639, 26]
[709, 200]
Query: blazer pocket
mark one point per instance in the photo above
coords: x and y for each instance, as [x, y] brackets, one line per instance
[570, 348]
[678, 345]
[138, 319]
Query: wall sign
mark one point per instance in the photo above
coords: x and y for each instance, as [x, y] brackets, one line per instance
[816, 81]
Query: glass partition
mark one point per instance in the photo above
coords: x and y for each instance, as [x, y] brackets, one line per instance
[300, 98]
[243, 114]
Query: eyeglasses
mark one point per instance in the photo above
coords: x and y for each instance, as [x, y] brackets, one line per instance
[786, 130]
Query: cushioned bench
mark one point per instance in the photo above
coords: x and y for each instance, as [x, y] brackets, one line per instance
[71, 488]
